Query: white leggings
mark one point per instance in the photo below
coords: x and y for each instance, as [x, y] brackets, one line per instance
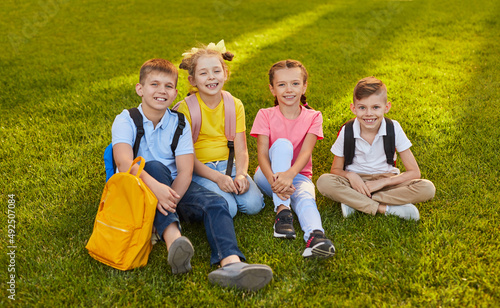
[302, 201]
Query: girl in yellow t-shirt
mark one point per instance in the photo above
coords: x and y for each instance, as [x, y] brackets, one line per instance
[207, 74]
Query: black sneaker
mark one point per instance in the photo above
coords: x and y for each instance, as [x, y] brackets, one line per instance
[318, 246]
[283, 225]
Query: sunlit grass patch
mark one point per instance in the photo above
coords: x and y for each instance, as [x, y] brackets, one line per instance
[72, 68]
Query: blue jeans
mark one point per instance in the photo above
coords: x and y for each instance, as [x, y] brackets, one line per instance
[251, 202]
[199, 204]
[303, 200]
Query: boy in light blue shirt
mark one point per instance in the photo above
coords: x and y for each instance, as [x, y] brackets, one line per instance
[169, 175]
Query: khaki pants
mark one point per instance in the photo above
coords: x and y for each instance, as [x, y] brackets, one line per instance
[339, 189]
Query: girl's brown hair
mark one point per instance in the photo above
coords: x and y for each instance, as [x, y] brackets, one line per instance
[289, 64]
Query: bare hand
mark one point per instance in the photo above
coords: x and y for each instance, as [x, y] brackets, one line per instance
[377, 185]
[358, 184]
[287, 194]
[282, 182]
[241, 183]
[225, 183]
[167, 199]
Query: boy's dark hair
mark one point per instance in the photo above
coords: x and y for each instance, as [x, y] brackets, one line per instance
[368, 86]
[289, 64]
[158, 65]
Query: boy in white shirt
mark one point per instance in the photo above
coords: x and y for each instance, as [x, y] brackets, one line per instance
[368, 182]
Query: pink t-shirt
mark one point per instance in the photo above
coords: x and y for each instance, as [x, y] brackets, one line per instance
[271, 122]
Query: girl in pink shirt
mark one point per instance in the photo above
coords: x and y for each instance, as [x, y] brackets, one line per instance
[286, 135]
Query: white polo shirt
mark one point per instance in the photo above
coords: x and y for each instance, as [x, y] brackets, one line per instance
[370, 159]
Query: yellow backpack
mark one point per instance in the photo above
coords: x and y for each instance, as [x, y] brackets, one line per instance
[122, 229]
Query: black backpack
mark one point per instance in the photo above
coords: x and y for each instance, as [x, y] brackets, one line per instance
[135, 114]
[350, 142]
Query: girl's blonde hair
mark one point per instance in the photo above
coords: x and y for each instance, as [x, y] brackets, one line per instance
[289, 64]
[189, 63]
[192, 56]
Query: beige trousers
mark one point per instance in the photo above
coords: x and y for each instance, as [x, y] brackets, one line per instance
[339, 189]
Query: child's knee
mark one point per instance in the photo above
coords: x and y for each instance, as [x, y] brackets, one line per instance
[428, 189]
[326, 182]
[158, 171]
[153, 165]
[253, 203]
[283, 142]
[253, 209]
[282, 145]
[233, 210]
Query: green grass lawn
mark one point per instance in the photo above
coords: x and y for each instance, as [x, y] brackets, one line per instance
[68, 68]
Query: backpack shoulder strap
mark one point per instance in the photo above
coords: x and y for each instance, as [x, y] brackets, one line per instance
[195, 112]
[229, 115]
[389, 142]
[109, 160]
[349, 143]
[176, 106]
[229, 127]
[178, 132]
[136, 115]
[229, 122]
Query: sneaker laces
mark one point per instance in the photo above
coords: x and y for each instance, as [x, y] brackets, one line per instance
[311, 238]
[285, 218]
[315, 235]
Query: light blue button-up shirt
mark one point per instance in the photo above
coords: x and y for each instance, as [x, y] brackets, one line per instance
[155, 144]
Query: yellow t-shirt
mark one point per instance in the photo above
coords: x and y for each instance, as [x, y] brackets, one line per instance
[212, 143]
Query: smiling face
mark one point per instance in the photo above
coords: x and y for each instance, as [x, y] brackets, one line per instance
[209, 76]
[288, 86]
[370, 111]
[157, 91]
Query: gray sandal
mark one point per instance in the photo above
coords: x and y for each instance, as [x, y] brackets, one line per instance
[179, 255]
[251, 277]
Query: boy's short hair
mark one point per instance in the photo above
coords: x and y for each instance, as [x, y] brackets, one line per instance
[158, 65]
[368, 86]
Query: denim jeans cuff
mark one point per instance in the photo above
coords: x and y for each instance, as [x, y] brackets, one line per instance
[216, 260]
[161, 223]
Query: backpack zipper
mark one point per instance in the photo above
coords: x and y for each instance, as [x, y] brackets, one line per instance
[119, 229]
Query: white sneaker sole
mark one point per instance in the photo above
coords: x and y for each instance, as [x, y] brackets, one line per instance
[317, 251]
[281, 235]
